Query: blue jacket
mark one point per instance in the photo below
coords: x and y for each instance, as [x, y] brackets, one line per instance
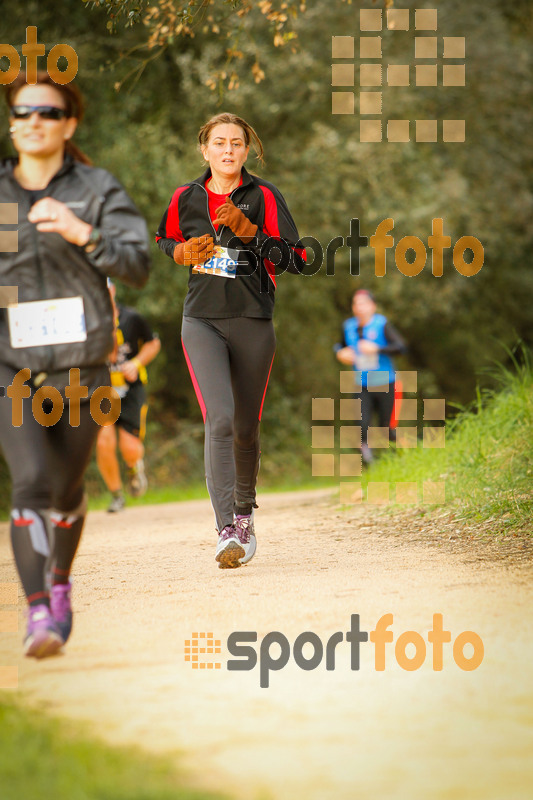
[376, 369]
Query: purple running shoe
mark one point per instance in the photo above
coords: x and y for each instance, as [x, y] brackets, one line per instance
[244, 527]
[43, 637]
[61, 608]
[229, 548]
[366, 453]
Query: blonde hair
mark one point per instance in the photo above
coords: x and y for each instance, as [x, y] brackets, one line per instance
[225, 118]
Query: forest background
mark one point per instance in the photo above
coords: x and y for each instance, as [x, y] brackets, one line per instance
[152, 73]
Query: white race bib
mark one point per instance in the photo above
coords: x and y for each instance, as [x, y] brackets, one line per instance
[366, 361]
[59, 321]
[222, 263]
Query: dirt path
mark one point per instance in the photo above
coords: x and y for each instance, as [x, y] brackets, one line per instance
[146, 580]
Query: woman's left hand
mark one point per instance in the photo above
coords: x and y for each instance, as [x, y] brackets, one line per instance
[51, 216]
[228, 214]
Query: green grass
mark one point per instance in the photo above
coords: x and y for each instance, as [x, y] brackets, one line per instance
[42, 757]
[163, 494]
[198, 491]
[487, 463]
[192, 491]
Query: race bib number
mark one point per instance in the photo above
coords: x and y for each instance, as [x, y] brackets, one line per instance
[119, 383]
[366, 361]
[41, 322]
[222, 262]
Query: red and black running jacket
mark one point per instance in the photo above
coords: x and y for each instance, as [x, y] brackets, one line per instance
[273, 250]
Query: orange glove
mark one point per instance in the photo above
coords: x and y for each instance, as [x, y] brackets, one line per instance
[195, 251]
[228, 214]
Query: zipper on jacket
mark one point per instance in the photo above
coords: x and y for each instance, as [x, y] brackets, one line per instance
[209, 215]
[218, 236]
[42, 291]
[38, 262]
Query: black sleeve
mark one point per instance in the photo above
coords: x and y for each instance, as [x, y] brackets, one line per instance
[169, 233]
[396, 344]
[164, 243]
[340, 343]
[143, 331]
[123, 251]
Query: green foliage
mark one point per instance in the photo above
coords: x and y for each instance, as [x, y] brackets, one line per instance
[144, 107]
[487, 464]
[43, 757]
[127, 11]
[167, 22]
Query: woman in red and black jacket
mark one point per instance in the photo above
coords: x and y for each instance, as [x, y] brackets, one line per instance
[236, 234]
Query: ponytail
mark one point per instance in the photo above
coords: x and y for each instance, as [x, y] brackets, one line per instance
[77, 154]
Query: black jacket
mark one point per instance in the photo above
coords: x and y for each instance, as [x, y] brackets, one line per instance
[274, 249]
[46, 266]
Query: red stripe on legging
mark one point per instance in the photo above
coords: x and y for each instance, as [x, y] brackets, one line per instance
[21, 522]
[398, 390]
[195, 383]
[37, 596]
[266, 386]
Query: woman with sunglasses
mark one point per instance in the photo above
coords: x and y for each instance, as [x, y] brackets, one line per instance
[228, 335]
[75, 225]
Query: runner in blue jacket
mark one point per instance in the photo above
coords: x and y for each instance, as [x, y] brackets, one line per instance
[368, 342]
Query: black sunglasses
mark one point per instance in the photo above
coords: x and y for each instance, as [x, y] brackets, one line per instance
[45, 112]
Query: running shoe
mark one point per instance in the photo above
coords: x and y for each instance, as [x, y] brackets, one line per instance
[137, 480]
[366, 452]
[117, 503]
[43, 637]
[244, 527]
[229, 548]
[61, 609]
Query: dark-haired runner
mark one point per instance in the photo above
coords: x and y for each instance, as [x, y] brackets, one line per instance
[76, 225]
[136, 347]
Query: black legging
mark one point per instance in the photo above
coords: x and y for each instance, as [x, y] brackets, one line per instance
[383, 402]
[47, 465]
[230, 361]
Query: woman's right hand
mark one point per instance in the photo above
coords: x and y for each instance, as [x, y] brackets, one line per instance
[51, 216]
[346, 356]
[195, 251]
